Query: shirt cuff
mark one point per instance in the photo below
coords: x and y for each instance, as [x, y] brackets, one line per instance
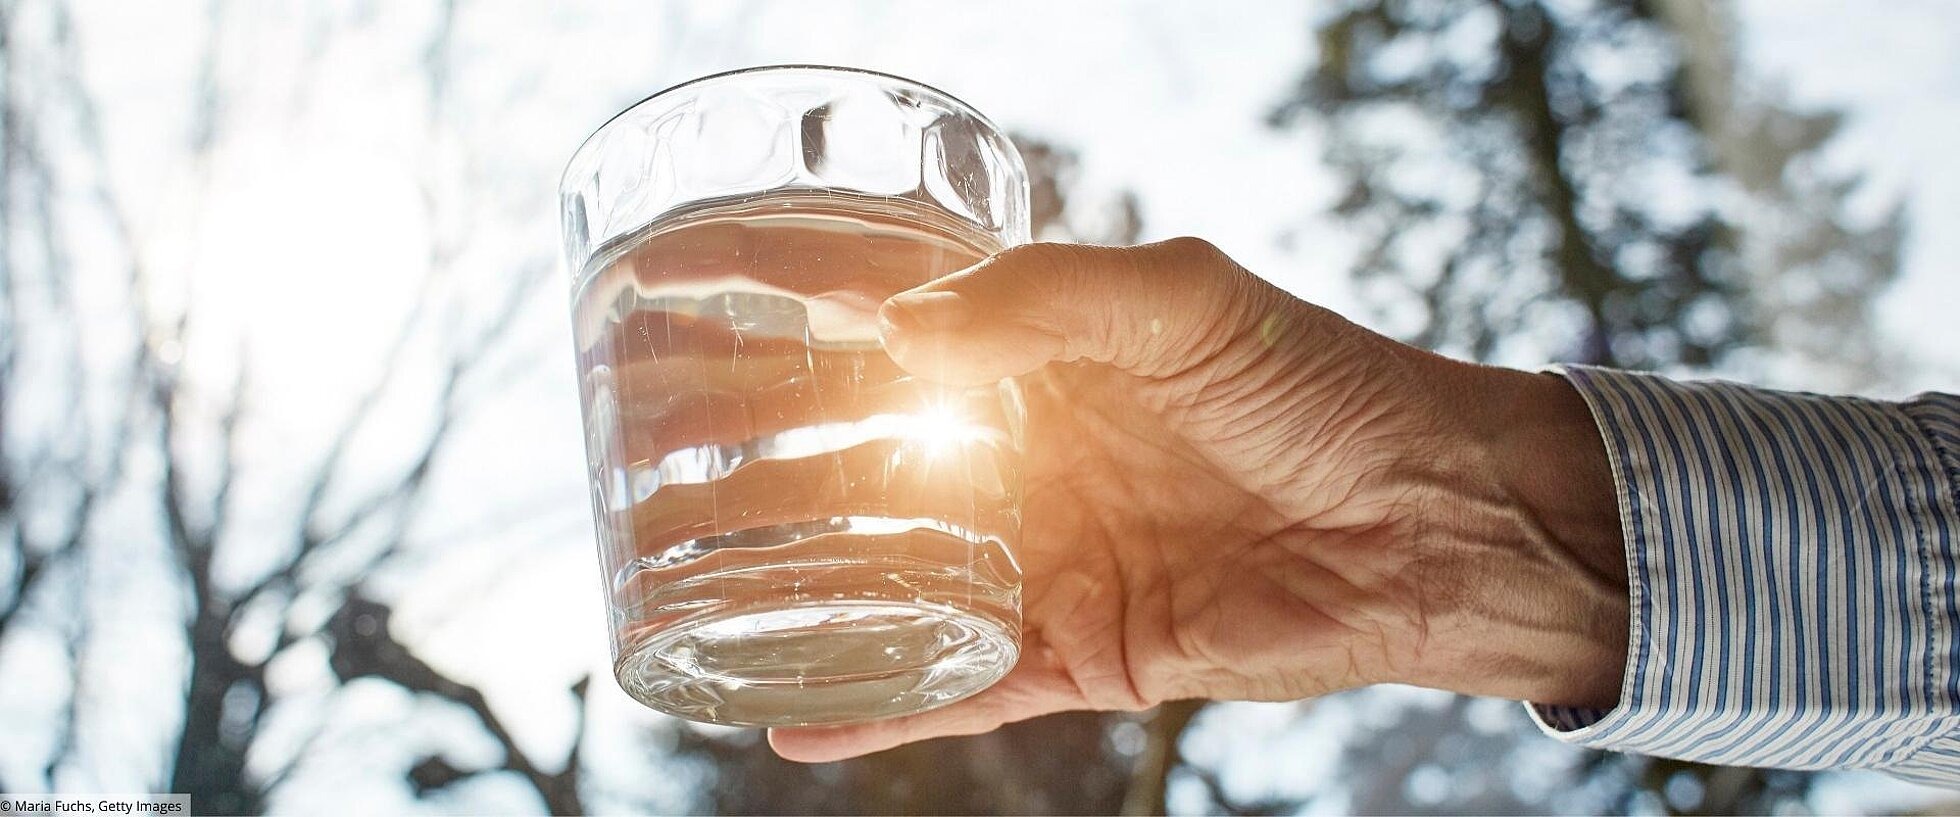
[1791, 564]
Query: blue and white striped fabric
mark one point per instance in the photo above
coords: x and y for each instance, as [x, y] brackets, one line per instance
[1792, 561]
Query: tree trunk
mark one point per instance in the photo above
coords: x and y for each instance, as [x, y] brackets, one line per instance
[210, 764]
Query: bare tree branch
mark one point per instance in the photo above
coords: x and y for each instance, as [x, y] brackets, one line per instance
[10, 145]
[406, 489]
[363, 647]
[1215, 792]
[1160, 755]
[163, 412]
[75, 646]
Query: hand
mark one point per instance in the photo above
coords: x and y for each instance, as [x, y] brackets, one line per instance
[1235, 494]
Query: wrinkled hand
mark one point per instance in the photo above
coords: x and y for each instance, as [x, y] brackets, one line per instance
[1235, 494]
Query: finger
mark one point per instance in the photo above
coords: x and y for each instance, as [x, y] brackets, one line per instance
[1033, 688]
[1150, 310]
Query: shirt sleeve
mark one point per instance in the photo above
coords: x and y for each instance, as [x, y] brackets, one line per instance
[1792, 567]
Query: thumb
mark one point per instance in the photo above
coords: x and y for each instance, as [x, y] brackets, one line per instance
[1152, 310]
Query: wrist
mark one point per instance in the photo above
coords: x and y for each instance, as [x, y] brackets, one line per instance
[1522, 528]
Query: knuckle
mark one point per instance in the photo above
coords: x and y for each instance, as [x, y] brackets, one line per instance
[1192, 250]
[1184, 261]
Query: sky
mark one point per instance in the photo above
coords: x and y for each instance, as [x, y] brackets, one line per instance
[1895, 73]
[303, 241]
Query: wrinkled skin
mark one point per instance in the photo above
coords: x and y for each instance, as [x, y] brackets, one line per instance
[1233, 494]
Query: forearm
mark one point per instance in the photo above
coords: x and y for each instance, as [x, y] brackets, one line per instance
[1792, 568]
[1519, 516]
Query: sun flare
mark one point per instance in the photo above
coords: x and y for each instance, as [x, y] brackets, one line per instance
[942, 428]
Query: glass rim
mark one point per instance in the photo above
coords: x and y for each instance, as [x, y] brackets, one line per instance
[957, 104]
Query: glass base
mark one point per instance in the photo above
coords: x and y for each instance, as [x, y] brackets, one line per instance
[818, 663]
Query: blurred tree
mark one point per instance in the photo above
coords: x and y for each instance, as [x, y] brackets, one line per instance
[1591, 181]
[313, 599]
[84, 396]
[1109, 763]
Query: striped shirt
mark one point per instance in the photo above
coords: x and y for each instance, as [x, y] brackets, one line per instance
[1792, 562]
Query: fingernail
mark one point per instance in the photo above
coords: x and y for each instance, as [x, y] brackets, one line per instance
[933, 311]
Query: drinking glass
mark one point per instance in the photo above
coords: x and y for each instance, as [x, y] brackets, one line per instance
[793, 530]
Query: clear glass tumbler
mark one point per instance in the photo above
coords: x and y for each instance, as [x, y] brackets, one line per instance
[793, 530]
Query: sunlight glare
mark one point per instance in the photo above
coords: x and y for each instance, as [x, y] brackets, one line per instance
[942, 428]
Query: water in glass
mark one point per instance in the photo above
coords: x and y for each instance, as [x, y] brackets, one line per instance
[796, 531]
